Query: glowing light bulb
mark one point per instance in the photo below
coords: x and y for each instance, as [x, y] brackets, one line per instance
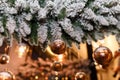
[36, 77]
[22, 49]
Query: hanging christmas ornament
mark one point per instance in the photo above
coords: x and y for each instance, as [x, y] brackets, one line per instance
[58, 46]
[57, 66]
[4, 59]
[80, 76]
[6, 75]
[102, 55]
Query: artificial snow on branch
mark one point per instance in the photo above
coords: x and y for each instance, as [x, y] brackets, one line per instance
[79, 21]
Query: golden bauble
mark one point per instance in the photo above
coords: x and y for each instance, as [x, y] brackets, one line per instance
[58, 46]
[57, 66]
[4, 59]
[80, 76]
[102, 55]
[6, 75]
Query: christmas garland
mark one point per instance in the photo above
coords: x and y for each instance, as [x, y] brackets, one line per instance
[40, 21]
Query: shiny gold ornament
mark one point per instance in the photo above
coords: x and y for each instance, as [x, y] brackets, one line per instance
[81, 76]
[102, 55]
[6, 75]
[57, 66]
[4, 59]
[58, 46]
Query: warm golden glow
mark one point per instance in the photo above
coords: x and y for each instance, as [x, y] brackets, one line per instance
[36, 77]
[60, 57]
[56, 78]
[3, 58]
[22, 49]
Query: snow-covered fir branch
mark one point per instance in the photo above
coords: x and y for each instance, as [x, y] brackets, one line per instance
[60, 19]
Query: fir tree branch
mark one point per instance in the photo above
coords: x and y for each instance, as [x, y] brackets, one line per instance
[33, 37]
